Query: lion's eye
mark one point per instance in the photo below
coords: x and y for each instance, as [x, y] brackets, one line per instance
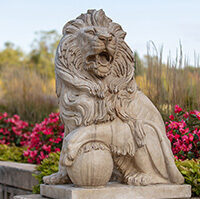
[91, 32]
[112, 34]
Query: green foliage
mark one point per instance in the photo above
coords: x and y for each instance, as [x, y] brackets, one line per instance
[190, 169]
[47, 167]
[12, 153]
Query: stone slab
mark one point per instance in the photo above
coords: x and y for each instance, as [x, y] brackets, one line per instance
[9, 191]
[32, 196]
[117, 191]
[17, 175]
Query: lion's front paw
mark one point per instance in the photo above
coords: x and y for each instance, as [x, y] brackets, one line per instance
[70, 148]
[139, 179]
[70, 154]
[69, 158]
[56, 178]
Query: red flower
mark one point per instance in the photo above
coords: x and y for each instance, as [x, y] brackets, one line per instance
[33, 154]
[26, 153]
[171, 117]
[189, 147]
[177, 136]
[16, 117]
[191, 137]
[47, 148]
[57, 150]
[177, 109]
[42, 156]
[185, 138]
[173, 125]
[184, 131]
[176, 157]
[197, 113]
[186, 115]
[5, 114]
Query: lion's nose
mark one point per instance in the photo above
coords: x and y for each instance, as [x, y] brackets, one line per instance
[105, 37]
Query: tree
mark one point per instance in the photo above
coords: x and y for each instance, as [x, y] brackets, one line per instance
[11, 56]
[41, 57]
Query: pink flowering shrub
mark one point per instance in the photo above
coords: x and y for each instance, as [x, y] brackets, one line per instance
[183, 131]
[13, 130]
[39, 140]
[45, 138]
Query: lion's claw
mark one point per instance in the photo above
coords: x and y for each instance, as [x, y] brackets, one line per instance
[70, 155]
[56, 178]
[139, 179]
[69, 158]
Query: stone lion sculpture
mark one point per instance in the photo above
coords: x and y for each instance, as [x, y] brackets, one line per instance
[103, 110]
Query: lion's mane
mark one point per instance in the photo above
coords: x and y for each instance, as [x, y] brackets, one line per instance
[85, 98]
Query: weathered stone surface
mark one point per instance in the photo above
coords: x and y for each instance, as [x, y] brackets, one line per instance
[7, 192]
[117, 191]
[32, 196]
[17, 175]
[103, 110]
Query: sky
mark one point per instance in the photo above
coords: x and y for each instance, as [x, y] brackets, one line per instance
[164, 22]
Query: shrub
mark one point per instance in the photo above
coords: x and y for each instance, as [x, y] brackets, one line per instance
[47, 167]
[13, 130]
[190, 169]
[45, 138]
[40, 139]
[12, 153]
[183, 131]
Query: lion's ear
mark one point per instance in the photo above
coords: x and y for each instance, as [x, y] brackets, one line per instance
[123, 35]
[117, 30]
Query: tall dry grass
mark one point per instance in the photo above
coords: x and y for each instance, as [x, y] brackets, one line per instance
[174, 82]
[24, 92]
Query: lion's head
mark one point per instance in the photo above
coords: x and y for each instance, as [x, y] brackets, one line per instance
[96, 36]
[94, 61]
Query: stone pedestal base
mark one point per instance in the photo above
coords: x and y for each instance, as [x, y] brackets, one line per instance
[32, 196]
[116, 191]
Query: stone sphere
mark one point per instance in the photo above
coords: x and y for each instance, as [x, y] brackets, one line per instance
[93, 166]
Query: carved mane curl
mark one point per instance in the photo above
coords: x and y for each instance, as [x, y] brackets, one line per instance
[85, 98]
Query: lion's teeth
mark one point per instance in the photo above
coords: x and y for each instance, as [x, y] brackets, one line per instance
[102, 60]
[103, 69]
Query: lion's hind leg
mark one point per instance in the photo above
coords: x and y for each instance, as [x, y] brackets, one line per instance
[147, 173]
[131, 174]
[137, 170]
[125, 165]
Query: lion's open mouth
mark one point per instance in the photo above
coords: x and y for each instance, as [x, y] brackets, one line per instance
[99, 63]
[103, 58]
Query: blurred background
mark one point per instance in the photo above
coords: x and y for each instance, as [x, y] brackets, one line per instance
[164, 36]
